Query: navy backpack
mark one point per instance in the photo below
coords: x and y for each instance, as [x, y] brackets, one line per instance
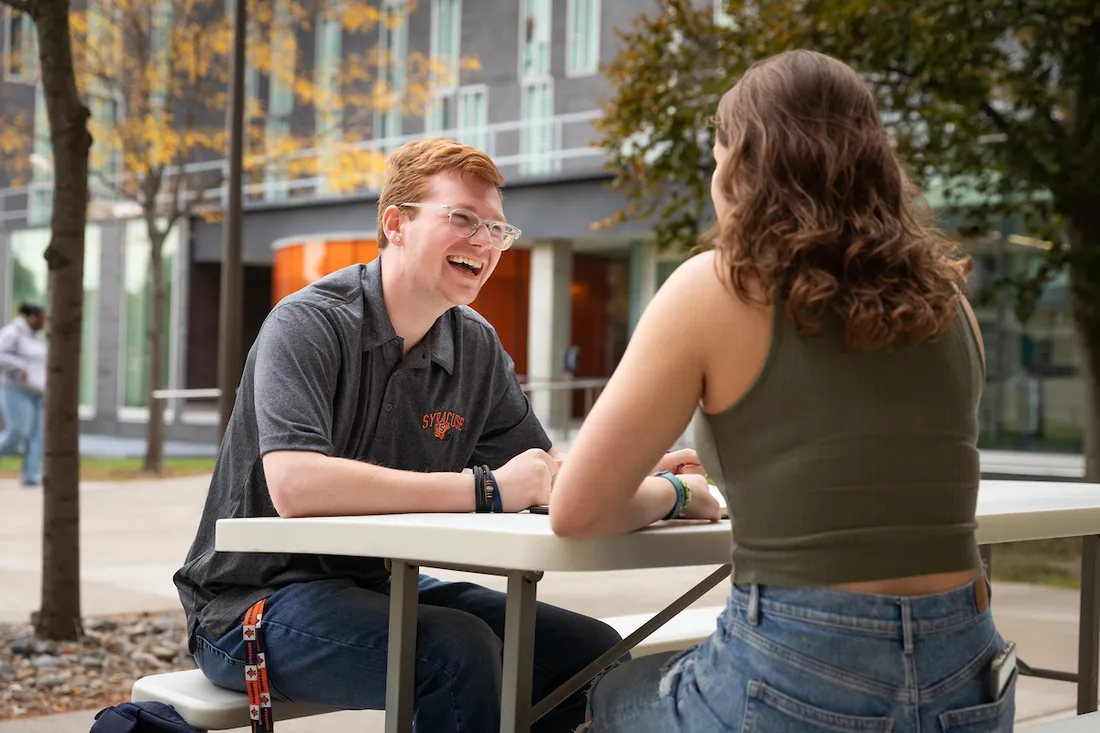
[141, 717]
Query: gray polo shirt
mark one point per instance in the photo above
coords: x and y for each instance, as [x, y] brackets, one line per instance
[327, 374]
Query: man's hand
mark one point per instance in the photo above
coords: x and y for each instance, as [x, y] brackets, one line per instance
[702, 505]
[525, 480]
[680, 461]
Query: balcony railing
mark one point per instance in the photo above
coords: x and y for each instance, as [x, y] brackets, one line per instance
[555, 146]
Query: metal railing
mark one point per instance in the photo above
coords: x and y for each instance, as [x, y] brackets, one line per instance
[507, 143]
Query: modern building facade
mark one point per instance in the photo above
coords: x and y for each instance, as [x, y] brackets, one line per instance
[517, 78]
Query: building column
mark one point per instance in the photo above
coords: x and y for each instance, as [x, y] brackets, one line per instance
[5, 277]
[549, 327]
[643, 279]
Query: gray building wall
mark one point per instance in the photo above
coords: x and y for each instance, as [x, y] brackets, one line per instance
[558, 206]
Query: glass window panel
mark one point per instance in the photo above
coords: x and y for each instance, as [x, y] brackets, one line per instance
[89, 329]
[29, 280]
[137, 306]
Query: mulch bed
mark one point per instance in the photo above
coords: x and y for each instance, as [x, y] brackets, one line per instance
[42, 677]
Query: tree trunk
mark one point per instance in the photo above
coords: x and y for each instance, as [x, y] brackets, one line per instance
[59, 616]
[154, 430]
[1084, 233]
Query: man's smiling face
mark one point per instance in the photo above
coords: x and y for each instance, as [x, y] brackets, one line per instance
[446, 265]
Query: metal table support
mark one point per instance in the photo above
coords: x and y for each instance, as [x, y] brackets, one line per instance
[401, 655]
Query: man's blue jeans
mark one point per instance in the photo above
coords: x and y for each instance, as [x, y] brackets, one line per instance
[22, 429]
[326, 644]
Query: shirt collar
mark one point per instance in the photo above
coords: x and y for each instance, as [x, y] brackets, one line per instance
[378, 328]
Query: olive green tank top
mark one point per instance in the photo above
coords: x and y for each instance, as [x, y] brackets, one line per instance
[843, 466]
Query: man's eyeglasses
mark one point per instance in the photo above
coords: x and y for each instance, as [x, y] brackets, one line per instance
[465, 223]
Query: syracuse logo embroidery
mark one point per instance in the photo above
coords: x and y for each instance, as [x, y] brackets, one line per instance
[441, 423]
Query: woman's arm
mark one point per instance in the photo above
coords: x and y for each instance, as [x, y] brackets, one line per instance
[602, 488]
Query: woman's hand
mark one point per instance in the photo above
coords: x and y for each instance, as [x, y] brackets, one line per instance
[702, 505]
[679, 461]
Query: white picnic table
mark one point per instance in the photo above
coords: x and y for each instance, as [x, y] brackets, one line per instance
[522, 547]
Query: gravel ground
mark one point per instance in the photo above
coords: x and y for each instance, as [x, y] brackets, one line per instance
[40, 677]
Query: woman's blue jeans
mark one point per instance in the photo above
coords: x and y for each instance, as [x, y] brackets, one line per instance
[22, 431]
[820, 660]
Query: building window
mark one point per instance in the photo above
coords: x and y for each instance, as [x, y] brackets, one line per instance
[537, 111]
[446, 42]
[40, 191]
[393, 50]
[137, 294]
[21, 44]
[537, 96]
[583, 42]
[280, 103]
[473, 116]
[440, 115]
[535, 38]
[722, 17]
[29, 277]
[105, 159]
[328, 111]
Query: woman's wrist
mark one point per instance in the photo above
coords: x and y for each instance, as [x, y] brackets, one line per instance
[681, 493]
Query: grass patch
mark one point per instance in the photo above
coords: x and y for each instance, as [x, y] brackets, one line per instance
[120, 469]
[1043, 562]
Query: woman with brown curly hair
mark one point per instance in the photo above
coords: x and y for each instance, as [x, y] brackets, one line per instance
[836, 368]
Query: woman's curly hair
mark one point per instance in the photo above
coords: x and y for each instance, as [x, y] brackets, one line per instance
[820, 215]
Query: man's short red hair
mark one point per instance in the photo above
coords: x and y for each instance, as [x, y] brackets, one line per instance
[410, 168]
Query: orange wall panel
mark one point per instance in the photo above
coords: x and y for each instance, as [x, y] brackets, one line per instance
[503, 303]
[297, 265]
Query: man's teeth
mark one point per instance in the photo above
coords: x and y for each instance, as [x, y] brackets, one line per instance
[464, 261]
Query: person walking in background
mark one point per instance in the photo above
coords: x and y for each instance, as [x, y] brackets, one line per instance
[22, 386]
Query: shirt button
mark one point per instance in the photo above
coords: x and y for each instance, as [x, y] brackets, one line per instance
[389, 408]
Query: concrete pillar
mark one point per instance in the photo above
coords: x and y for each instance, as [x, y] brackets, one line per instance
[5, 277]
[643, 279]
[549, 328]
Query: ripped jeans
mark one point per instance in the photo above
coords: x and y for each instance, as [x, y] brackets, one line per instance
[816, 660]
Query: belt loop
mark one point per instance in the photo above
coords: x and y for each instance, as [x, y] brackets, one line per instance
[907, 626]
[754, 604]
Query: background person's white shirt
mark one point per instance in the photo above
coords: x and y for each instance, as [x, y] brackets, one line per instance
[23, 350]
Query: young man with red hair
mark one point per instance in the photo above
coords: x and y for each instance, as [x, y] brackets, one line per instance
[369, 392]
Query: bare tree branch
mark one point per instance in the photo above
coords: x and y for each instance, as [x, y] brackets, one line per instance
[114, 186]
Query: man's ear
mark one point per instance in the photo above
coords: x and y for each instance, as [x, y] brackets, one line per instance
[391, 224]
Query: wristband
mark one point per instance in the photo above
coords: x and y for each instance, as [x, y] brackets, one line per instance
[681, 494]
[481, 499]
[497, 500]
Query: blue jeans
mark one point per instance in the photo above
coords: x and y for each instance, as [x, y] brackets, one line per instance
[326, 644]
[816, 660]
[22, 429]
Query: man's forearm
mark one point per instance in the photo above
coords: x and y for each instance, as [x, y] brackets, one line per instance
[314, 485]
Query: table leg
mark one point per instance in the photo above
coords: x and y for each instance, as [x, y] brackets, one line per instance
[1088, 659]
[605, 660]
[519, 652]
[401, 656]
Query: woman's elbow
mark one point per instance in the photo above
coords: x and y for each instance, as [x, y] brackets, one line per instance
[572, 521]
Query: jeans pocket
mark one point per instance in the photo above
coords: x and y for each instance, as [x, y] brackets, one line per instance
[770, 711]
[218, 667]
[993, 717]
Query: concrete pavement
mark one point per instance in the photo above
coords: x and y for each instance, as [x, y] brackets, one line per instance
[135, 535]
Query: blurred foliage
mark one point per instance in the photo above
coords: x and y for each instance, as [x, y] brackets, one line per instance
[994, 107]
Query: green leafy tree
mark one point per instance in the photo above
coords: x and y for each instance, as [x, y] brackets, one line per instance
[987, 101]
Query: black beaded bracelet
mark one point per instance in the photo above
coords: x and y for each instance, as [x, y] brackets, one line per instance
[481, 496]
